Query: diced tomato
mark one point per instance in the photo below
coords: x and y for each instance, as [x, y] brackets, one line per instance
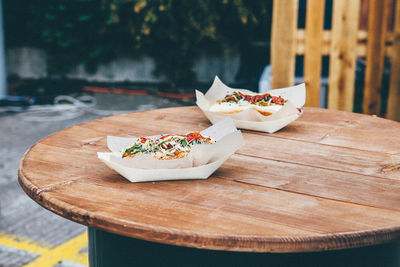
[143, 140]
[277, 100]
[194, 136]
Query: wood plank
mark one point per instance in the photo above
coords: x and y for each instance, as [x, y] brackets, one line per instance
[45, 159]
[283, 42]
[344, 137]
[343, 56]
[322, 156]
[377, 26]
[355, 121]
[301, 42]
[313, 53]
[361, 49]
[362, 37]
[393, 111]
[307, 180]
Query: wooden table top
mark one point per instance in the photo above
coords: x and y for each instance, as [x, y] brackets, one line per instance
[330, 180]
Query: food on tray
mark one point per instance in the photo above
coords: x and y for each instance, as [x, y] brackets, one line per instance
[267, 112]
[266, 104]
[166, 147]
[173, 157]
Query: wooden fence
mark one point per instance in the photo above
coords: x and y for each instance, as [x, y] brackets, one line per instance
[343, 43]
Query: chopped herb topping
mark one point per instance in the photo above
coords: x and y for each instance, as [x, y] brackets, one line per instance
[167, 146]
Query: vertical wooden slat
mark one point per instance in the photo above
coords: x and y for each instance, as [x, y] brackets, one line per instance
[313, 50]
[283, 47]
[393, 112]
[343, 54]
[377, 24]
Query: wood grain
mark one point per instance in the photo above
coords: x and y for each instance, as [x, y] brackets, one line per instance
[393, 111]
[313, 50]
[377, 25]
[312, 186]
[344, 43]
[361, 49]
[283, 46]
[343, 54]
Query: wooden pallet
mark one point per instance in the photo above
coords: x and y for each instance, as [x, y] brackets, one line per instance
[343, 44]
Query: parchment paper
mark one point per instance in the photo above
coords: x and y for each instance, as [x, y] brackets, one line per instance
[200, 163]
[251, 119]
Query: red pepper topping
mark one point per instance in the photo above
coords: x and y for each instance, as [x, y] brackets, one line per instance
[193, 136]
[189, 137]
[143, 140]
[277, 100]
[196, 136]
[254, 99]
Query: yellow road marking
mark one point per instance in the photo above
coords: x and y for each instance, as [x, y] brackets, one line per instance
[50, 255]
[67, 251]
[24, 243]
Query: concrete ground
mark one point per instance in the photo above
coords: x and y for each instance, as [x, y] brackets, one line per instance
[29, 234]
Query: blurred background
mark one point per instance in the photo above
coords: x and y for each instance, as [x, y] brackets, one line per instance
[169, 46]
[64, 62]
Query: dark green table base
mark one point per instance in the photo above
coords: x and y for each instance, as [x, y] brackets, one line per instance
[107, 249]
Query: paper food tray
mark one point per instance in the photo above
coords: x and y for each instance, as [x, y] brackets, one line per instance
[251, 119]
[201, 162]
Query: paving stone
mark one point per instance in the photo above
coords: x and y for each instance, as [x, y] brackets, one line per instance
[11, 257]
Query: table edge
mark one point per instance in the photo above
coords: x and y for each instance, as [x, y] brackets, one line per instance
[283, 244]
[206, 240]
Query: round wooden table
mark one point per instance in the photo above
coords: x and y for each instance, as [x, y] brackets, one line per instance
[324, 189]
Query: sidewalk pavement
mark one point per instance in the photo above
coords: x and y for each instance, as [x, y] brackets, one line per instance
[29, 234]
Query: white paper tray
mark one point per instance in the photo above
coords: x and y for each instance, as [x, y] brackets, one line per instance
[203, 159]
[251, 119]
